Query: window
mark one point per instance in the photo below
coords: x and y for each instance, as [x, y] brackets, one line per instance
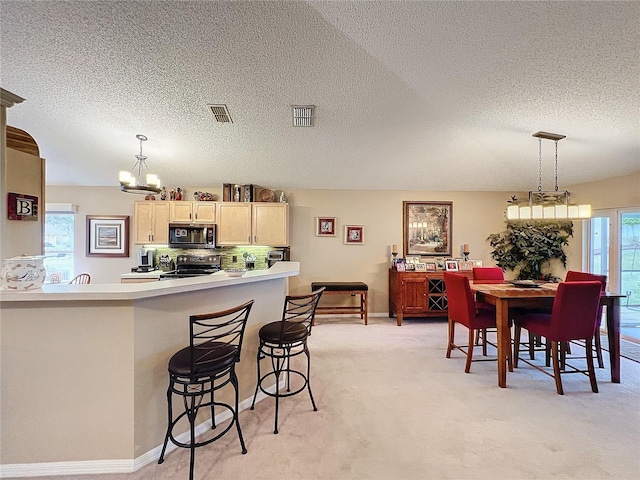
[58, 246]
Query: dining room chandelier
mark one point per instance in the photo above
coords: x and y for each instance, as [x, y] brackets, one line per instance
[139, 180]
[548, 204]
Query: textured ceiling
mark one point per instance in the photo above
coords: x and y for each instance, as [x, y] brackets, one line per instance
[430, 95]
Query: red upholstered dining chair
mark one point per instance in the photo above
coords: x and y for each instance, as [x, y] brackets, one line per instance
[462, 309]
[486, 275]
[573, 276]
[573, 317]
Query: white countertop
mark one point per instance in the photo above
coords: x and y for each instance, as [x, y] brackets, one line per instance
[133, 291]
[153, 274]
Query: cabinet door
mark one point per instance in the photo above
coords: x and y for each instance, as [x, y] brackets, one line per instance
[181, 211]
[143, 222]
[204, 212]
[234, 223]
[270, 224]
[414, 293]
[160, 223]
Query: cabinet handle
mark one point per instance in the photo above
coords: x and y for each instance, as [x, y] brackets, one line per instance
[249, 239]
[255, 239]
[189, 216]
[196, 215]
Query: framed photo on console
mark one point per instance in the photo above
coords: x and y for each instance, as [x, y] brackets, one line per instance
[451, 266]
[427, 228]
[430, 266]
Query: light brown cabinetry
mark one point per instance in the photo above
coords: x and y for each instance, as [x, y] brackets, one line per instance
[417, 294]
[253, 223]
[192, 212]
[151, 222]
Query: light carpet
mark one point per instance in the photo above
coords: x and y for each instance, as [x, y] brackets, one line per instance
[391, 406]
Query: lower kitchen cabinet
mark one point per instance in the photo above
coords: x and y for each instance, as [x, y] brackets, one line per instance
[417, 294]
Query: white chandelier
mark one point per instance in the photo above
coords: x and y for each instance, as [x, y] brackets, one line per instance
[136, 181]
[548, 204]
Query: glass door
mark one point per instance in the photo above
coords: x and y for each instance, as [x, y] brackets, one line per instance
[614, 250]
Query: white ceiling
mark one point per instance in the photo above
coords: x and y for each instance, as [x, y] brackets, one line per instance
[433, 95]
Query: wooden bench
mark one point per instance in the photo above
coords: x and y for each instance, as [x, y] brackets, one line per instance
[344, 288]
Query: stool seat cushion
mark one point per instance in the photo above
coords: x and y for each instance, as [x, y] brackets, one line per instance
[337, 286]
[210, 358]
[293, 332]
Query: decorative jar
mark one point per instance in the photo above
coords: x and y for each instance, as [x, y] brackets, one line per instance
[22, 273]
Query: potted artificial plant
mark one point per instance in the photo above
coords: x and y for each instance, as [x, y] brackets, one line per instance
[530, 246]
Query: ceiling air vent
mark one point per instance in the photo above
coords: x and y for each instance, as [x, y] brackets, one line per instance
[302, 115]
[221, 113]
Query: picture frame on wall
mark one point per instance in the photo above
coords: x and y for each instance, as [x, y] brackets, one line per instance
[107, 236]
[353, 235]
[427, 228]
[325, 226]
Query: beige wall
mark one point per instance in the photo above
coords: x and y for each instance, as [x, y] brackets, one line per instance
[475, 216]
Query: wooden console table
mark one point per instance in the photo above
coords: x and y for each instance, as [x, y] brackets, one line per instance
[418, 294]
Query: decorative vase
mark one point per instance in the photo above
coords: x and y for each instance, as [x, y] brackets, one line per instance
[22, 273]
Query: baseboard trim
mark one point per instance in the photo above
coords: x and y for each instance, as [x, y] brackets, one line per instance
[95, 467]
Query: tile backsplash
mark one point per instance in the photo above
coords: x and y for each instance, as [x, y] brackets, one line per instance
[231, 257]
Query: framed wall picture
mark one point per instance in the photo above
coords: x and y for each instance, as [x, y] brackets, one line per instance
[427, 227]
[108, 236]
[451, 266]
[354, 234]
[325, 226]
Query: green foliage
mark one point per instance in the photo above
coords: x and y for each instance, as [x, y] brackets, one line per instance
[529, 246]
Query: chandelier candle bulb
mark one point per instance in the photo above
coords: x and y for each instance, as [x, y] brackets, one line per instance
[536, 211]
[584, 211]
[548, 212]
[513, 212]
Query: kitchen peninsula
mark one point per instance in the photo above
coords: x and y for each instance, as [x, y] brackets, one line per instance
[84, 367]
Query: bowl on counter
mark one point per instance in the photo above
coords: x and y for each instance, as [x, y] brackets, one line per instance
[235, 272]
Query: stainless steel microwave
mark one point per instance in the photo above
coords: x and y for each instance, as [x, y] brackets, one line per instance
[192, 235]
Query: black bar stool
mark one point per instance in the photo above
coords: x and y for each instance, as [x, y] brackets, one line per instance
[282, 340]
[206, 365]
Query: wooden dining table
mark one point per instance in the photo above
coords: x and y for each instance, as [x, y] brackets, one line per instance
[506, 295]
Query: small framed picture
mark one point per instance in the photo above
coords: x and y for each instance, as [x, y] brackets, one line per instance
[400, 264]
[476, 263]
[440, 263]
[451, 266]
[353, 234]
[465, 266]
[410, 267]
[430, 266]
[421, 267]
[413, 258]
[325, 226]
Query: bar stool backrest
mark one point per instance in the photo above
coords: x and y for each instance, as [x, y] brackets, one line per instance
[299, 310]
[217, 337]
[83, 278]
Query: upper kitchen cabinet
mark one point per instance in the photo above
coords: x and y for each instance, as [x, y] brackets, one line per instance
[270, 224]
[193, 212]
[151, 221]
[253, 224]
